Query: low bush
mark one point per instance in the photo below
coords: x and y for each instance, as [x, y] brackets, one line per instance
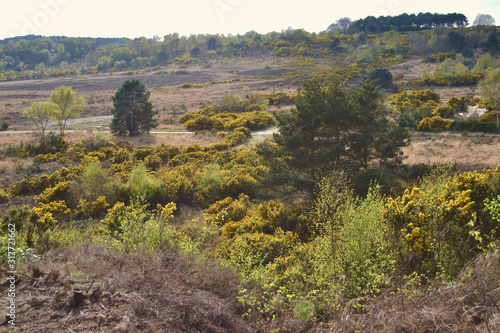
[490, 116]
[408, 99]
[445, 111]
[436, 123]
[474, 125]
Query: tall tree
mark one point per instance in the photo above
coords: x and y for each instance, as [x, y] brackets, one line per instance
[337, 127]
[68, 106]
[133, 112]
[40, 113]
[490, 90]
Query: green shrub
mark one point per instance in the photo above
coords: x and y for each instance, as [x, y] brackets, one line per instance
[382, 77]
[474, 125]
[95, 181]
[144, 186]
[132, 228]
[13, 151]
[231, 103]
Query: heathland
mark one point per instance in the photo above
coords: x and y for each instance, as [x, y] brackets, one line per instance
[287, 182]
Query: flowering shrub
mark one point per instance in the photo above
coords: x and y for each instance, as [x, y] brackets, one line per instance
[445, 111]
[4, 197]
[407, 100]
[435, 123]
[92, 209]
[228, 209]
[433, 220]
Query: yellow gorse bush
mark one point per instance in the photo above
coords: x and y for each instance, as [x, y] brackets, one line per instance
[408, 99]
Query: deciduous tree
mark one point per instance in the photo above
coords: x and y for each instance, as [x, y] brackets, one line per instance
[490, 90]
[40, 113]
[68, 106]
[484, 19]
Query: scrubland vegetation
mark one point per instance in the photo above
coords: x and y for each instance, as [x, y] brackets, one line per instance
[323, 228]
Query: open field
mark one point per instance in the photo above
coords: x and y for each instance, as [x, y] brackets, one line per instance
[473, 152]
[210, 84]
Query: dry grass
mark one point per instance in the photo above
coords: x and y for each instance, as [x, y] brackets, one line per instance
[474, 152]
[151, 139]
[159, 292]
[471, 304]
[166, 96]
[412, 71]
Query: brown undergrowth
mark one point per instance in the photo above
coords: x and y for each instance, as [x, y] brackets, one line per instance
[158, 292]
[471, 303]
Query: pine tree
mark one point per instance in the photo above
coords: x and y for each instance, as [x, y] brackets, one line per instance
[133, 112]
[338, 128]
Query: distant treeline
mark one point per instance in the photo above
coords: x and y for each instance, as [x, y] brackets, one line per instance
[408, 22]
[37, 56]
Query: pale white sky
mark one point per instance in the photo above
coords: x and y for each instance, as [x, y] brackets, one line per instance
[127, 18]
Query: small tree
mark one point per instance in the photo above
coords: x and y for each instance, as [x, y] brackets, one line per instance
[381, 77]
[68, 106]
[133, 112]
[490, 89]
[41, 113]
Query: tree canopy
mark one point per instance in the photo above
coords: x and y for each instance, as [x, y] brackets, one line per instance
[337, 127]
[484, 20]
[68, 106]
[133, 112]
[407, 22]
[40, 113]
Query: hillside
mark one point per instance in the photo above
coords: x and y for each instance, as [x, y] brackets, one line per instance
[296, 182]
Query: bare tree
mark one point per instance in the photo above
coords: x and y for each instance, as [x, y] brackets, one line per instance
[341, 25]
[333, 27]
[344, 23]
[484, 20]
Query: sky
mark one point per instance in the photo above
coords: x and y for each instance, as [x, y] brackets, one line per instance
[148, 18]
